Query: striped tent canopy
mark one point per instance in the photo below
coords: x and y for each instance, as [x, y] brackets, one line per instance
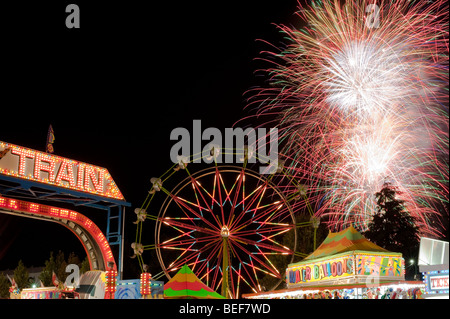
[186, 285]
[348, 239]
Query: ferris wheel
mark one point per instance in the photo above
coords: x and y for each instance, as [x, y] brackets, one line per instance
[232, 226]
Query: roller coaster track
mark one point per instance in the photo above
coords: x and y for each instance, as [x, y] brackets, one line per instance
[91, 237]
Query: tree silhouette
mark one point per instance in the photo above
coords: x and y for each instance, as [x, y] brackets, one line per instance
[58, 265]
[4, 286]
[21, 276]
[392, 227]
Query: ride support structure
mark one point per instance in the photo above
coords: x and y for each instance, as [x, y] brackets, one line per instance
[46, 178]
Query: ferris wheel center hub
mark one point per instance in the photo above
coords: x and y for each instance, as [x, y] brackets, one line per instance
[224, 232]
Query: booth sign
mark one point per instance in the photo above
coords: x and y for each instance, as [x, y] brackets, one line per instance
[349, 267]
[436, 282]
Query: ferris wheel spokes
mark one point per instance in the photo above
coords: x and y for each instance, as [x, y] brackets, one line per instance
[227, 224]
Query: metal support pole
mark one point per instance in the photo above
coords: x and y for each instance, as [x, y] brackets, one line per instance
[108, 225]
[315, 224]
[122, 235]
[119, 242]
[225, 267]
[315, 236]
[114, 235]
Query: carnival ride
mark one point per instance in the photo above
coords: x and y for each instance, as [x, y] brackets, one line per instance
[91, 237]
[229, 224]
[29, 174]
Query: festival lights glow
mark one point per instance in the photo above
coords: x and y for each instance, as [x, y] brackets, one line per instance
[221, 217]
[28, 164]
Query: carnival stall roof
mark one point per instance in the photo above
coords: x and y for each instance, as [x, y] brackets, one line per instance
[346, 257]
[186, 285]
[348, 239]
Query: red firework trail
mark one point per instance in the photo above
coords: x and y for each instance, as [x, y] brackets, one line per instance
[360, 98]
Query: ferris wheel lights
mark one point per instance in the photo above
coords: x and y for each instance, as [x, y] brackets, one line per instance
[138, 249]
[141, 215]
[182, 162]
[157, 185]
[217, 209]
[138, 211]
[213, 153]
[247, 154]
[225, 232]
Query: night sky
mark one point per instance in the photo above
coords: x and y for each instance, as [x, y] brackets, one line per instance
[114, 89]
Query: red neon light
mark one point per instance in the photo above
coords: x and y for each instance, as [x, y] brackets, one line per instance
[145, 284]
[34, 208]
[12, 204]
[77, 218]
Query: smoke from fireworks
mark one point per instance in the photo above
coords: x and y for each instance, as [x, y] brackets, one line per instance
[360, 93]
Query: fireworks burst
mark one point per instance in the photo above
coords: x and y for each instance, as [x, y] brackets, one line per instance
[360, 93]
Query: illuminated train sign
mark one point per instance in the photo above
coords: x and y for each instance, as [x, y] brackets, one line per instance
[28, 164]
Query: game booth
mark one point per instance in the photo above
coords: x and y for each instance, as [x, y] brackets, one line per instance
[433, 264]
[347, 266]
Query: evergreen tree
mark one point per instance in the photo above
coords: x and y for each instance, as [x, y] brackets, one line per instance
[85, 266]
[73, 259]
[4, 286]
[392, 227]
[21, 276]
[46, 275]
[60, 264]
